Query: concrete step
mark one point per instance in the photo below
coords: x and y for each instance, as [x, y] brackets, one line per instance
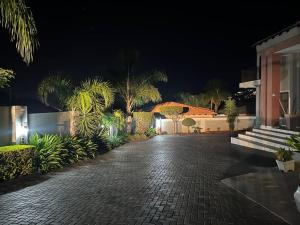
[271, 144]
[271, 133]
[290, 132]
[251, 144]
[267, 137]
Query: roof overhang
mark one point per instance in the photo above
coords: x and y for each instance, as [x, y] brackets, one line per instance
[285, 34]
[289, 50]
[250, 84]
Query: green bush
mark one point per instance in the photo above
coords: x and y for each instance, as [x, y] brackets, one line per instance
[294, 142]
[49, 149]
[16, 160]
[284, 155]
[150, 132]
[72, 150]
[188, 122]
[117, 140]
[143, 121]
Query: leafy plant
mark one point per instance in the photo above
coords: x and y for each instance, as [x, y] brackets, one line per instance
[216, 92]
[72, 150]
[294, 142]
[117, 140]
[48, 151]
[188, 122]
[284, 155]
[150, 132]
[231, 112]
[57, 86]
[5, 77]
[89, 147]
[139, 90]
[89, 101]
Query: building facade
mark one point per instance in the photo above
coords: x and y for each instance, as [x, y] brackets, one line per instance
[278, 79]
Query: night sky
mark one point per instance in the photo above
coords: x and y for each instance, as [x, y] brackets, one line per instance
[192, 43]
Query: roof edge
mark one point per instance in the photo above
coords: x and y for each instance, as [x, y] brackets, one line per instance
[297, 24]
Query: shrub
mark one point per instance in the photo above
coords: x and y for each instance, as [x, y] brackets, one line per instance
[16, 160]
[284, 155]
[150, 132]
[231, 112]
[173, 113]
[89, 147]
[143, 121]
[48, 152]
[117, 140]
[294, 142]
[71, 150]
[188, 122]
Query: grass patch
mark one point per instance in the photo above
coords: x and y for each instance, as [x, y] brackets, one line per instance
[10, 148]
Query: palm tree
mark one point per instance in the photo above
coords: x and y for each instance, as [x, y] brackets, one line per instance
[216, 93]
[89, 101]
[57, 86]
[17, 18]
[199, 100]
[137, 91]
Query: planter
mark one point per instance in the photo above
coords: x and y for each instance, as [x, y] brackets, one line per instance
[286, 166]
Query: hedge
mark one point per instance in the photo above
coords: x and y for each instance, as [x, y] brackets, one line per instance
[143, 121]
[16, 160]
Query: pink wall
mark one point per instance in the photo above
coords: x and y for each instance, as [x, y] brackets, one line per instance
[270, 82]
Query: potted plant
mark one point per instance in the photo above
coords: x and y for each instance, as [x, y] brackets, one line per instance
[285, 160]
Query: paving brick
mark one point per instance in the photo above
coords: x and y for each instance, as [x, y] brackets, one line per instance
[167, 180]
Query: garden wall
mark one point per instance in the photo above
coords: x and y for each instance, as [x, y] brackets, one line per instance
[217, 123]
[51, 123]
[5, 125]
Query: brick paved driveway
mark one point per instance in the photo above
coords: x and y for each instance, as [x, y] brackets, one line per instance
[167, 180]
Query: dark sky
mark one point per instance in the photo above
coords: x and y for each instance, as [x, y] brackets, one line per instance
[191, 42]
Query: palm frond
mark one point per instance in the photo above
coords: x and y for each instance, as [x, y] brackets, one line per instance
[18, 20]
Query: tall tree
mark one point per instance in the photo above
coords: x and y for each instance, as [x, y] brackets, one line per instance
[199, 100]
[137, 91]
[173, 113]
[216, 92]
[58, 87]
[89, 101]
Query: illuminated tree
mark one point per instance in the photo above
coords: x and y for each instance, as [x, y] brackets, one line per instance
[89, 101]
[137, 91]
[188, 122]
[231, 112]
[216, 93]
[173, 113]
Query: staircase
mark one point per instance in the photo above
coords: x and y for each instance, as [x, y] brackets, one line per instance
[264, 138]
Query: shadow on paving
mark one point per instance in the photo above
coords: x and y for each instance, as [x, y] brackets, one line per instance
[34, 179]
[268, 187]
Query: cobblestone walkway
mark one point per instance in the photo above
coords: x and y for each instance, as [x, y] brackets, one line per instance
[167, 180]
